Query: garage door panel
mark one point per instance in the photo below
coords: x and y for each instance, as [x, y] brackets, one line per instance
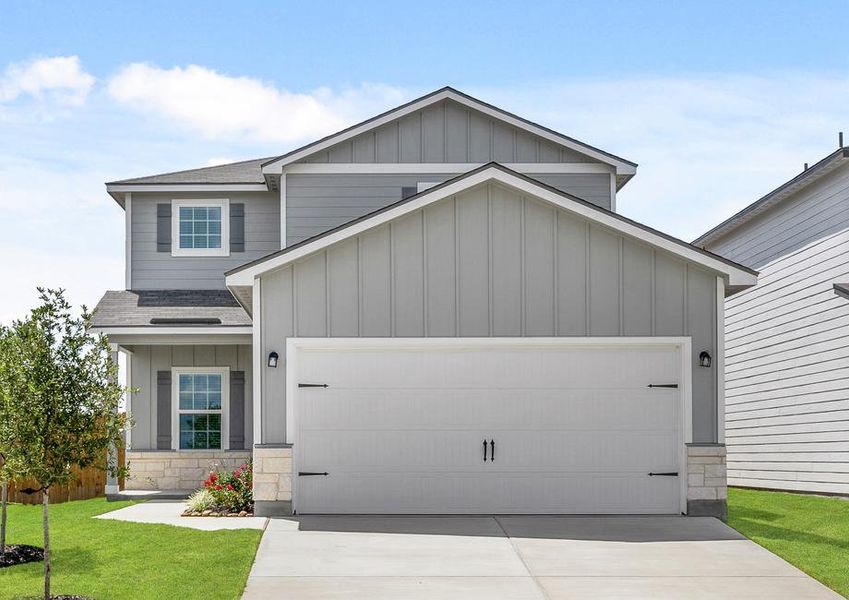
[436, 451]
[400, 429]
[551, 368]
[509, 493]
[405, 408]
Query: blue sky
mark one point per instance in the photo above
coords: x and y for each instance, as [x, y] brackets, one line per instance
[718, 102]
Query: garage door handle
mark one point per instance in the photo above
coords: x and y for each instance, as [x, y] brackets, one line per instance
[310, 473]
[663, 385]
[492, 451]
[484, 451]
[670, 474]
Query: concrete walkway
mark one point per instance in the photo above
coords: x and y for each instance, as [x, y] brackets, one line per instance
[518, 558]
[167, 512]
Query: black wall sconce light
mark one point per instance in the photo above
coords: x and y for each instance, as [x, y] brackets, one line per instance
[272, 360]
[704, 359]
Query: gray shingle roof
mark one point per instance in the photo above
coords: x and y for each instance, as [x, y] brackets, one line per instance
[246, 171]
[171, 308]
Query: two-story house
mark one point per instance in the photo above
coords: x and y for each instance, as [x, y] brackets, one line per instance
[437, 310]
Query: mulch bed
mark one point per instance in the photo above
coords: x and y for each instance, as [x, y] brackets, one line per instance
[18, 554]
[217, 513]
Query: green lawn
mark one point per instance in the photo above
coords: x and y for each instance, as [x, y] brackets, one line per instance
[113, 559]
[811, 532]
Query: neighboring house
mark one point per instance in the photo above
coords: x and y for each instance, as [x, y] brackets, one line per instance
[434, 311]
[787, 352]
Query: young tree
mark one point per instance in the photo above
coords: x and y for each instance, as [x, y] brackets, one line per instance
[4, 483]
[62, 401]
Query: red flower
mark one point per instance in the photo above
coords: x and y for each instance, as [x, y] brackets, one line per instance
[230, 486]
[218, 487]
[237, 473]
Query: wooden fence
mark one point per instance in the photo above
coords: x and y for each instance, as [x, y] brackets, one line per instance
[87, 483]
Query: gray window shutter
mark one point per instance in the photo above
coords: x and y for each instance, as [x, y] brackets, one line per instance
[237, 410]
[237, 228]
[163, 410]
[163, 228]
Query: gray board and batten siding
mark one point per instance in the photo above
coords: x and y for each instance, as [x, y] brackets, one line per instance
[316, 203]
[151, 427]
[153, 268]
[787, 355]
[489, 262]
[447, 132]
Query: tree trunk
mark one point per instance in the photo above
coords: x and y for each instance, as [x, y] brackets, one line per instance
[45, 495]
[4, 491]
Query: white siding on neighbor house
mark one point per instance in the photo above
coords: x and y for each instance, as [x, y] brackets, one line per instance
[787, 348]
[316, 203]
[489, 262]
[146, 361]
[160, 270]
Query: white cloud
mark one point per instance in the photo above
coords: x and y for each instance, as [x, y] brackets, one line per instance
[707, 145]
[221, 106]
[60, 78]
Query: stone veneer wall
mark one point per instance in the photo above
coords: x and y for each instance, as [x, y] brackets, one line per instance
[175, 470]
[707, 486]
[272, 480]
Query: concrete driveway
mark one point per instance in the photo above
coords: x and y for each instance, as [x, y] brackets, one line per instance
[518, 558]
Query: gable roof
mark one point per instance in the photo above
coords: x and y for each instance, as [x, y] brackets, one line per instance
[805, 178]
[735, 274]
[275, 166]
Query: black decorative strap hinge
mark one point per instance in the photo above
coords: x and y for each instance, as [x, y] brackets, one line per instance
[311, 473]
[663, 385]
[669, 474]
[312, 385]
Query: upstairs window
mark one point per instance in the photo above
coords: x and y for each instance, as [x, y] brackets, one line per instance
[200, 227]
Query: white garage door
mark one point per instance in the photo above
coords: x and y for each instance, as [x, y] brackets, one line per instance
[494, 427]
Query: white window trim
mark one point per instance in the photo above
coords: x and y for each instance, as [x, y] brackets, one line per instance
[426, 185]
[175, 406]
[223, 203]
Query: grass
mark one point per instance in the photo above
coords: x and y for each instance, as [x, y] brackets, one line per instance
[810, 532]
[107, 559]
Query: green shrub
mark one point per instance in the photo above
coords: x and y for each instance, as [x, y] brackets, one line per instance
[201, 500]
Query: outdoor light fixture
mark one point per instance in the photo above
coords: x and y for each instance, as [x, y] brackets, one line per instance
[704, 359]
[272, 360]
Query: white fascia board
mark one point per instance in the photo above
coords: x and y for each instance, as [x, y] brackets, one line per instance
[193, 187]
[163, 331]
[734, 275]
[426, 168]
[276, 167]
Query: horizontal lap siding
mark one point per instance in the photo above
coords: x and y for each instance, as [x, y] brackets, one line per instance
[316, 203]
[146, 361]
[787, 352]
[160, 270]
[489, 262]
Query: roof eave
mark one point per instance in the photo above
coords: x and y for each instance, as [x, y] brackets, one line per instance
[734, 274]
[776, 196]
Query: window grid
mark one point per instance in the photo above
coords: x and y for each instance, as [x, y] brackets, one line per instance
[200, 227]
[199, 411]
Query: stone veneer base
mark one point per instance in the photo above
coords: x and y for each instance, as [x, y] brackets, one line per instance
[273, 474]
[707, 485]
[178, 470]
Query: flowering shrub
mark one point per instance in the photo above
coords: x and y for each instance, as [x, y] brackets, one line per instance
[232, 491]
